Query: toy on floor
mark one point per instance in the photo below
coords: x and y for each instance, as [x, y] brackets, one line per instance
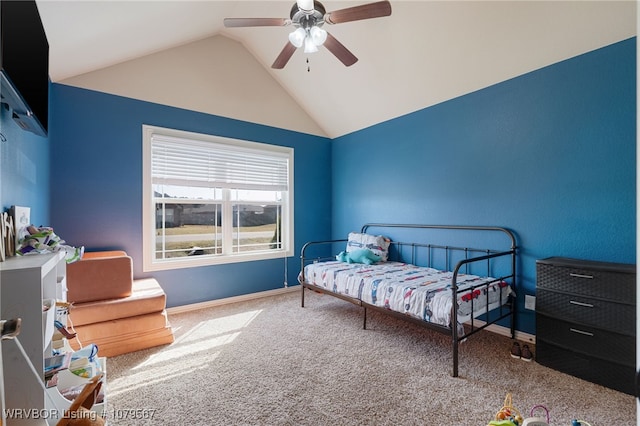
[575, 422]
[535, 419]
[508, 415]
[365, 256]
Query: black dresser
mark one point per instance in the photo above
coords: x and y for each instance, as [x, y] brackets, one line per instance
[586, 320]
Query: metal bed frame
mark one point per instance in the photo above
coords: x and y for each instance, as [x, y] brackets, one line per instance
[470, 257]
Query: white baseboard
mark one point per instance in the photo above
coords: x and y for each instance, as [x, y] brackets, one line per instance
[227, 300]
[505, 331]
[494, 328]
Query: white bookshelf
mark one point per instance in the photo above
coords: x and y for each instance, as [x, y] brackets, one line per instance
[24, 283]
[67, 379]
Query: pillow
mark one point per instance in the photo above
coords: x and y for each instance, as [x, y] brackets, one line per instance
[378, 244]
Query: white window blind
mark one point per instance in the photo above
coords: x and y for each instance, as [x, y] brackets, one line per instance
[177, 161]
[232, 199]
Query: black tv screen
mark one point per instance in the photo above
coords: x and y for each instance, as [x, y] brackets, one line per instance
[24, 64]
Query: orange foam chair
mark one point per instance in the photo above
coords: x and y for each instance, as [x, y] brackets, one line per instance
[110, 308]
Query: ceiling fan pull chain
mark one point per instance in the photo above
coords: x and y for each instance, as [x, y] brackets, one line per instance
[308, 66]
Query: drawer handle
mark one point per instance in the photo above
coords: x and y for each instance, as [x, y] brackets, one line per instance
[586, 305]
[584, 333]
[581, 276]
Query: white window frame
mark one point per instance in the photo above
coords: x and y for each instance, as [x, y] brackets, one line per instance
[150, 263]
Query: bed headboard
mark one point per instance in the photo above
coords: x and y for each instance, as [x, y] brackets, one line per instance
[450, 247]
[478, 250]
[496, 229]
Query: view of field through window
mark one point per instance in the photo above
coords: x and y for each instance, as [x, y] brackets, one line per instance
[187, 229]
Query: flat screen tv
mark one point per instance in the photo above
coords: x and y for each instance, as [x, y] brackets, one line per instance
[24, 64]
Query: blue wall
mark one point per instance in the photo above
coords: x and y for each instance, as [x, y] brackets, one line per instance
[96, 186]
[24, 169]
[550, 155]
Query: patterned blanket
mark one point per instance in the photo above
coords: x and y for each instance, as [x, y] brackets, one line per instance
[421, 292]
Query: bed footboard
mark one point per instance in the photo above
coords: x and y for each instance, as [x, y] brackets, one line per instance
[306, 257]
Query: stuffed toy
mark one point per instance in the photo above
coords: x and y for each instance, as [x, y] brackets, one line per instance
[44, 240]
[365, 256]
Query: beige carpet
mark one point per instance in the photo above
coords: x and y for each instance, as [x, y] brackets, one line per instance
[271, 362]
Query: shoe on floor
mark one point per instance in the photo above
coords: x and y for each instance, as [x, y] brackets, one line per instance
[526, 354]
[515, 350]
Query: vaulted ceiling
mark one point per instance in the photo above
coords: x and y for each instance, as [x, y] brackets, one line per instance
[425, 53]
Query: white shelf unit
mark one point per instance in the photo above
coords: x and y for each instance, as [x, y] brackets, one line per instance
[25, 284]
[67, 379]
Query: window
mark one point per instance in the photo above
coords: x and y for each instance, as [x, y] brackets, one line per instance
[211, 200]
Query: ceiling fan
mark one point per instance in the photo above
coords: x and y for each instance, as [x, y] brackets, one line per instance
[308, 17]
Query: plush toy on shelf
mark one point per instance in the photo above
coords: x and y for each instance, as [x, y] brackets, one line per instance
[44, 240]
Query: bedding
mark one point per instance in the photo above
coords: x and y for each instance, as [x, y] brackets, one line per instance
[420, 292]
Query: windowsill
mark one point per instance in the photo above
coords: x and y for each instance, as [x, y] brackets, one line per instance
[199, 261]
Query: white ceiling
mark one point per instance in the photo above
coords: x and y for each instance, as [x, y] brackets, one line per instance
[424, 53]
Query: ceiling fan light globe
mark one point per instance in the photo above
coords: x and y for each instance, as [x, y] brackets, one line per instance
[318, 35]
[297, 37]
[309, 46]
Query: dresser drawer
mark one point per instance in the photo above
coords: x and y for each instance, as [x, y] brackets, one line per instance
[576, 278]
[612, 375]
[589, 341]
[617, 317]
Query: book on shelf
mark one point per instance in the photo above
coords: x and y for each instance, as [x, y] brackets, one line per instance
[55, 363]
[51, 381]
[21, 217]
[82, 367]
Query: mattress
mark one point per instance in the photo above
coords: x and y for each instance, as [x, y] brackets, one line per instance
[420, 292]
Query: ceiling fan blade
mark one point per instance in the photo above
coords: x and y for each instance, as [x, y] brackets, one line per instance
[284, 56]
[356, 13]
[255, 22]
[338, 49]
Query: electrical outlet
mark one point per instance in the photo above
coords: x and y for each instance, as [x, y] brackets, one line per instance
[529, 302]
